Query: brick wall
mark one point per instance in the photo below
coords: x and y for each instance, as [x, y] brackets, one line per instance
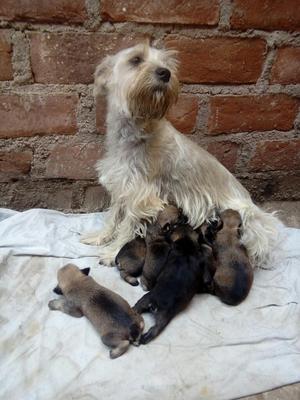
[240, 78]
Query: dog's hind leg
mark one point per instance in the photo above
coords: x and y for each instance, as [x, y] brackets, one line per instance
[118, 345]
[65, 306]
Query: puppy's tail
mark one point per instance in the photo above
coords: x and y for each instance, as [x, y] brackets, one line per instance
[260, 234]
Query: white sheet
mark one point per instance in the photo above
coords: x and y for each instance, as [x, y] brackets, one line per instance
[210, 351]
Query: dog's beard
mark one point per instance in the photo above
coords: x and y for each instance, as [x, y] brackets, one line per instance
[148, 100]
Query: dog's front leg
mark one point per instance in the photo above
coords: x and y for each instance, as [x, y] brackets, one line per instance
[130, 226]
[65, 306]
[106, 235]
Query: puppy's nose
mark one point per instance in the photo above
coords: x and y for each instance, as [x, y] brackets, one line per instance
[163, 74]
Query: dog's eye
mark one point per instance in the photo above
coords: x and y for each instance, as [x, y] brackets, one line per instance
[166, 227]
[135, 60]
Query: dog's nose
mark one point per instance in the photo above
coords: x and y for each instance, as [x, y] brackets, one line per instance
[163, 74]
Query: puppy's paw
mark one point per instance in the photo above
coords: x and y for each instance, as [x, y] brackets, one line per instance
[54, 304]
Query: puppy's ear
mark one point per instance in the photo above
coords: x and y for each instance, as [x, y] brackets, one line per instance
[58, 290]
[102, 76]
[85, 271]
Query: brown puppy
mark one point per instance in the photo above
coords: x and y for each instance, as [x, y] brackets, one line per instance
[130, 260]
[148, 255]
[118, 324]
[158, 245]
[233, 276]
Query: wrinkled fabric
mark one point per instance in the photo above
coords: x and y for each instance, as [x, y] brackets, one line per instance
[209, 351]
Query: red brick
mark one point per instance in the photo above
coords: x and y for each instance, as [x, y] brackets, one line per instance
[72, 57]
[276, 155]
[73, 161]
[219, 60]
[30, 115]
[14, 164]
[198, 12]
[286, 67]
[225, 152]
[101, 115]
[66, 11]
[266, 14]
[230, 114]
[6, 71]
[183, 115]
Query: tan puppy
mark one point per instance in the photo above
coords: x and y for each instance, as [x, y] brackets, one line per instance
[233, 275]
[149, 256]
[118, 324]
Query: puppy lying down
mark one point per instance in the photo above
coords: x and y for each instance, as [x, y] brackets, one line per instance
[118, 324]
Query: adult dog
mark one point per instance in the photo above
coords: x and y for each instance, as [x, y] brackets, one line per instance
[148, 163]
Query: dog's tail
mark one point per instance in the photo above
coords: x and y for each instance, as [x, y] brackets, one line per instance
[260, 234]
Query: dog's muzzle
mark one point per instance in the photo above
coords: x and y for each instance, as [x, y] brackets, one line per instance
[163, 74]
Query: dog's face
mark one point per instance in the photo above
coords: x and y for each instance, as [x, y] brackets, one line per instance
[141, 79]
[67, 275]
[170, 217]
[184, 231]
[231, 219]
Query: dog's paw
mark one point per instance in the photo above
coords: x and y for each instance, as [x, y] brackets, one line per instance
[96, 239]
[106, 258]
[91, 240]
[54, 304]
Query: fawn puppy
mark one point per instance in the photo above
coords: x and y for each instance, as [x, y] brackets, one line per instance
[233, 276]
[111, 315]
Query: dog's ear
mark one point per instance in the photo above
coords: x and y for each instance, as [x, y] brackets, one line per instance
[85, 271]
[57, 290]
[102, 76]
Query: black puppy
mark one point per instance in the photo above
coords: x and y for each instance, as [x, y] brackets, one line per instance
[179, 281]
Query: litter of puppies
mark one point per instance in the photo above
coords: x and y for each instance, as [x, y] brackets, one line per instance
[174, 263]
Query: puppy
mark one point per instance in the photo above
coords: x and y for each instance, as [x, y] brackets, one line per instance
[148, 255]
[118, 324]
[158, 245]
[233, 273]
[130, 260]
[179, 281]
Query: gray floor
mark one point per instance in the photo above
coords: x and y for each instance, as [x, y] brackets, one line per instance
[289, 213]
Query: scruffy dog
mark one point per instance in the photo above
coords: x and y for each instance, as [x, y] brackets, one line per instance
[148, 256]
[118, 324]
[231, 268]
[180, 279]
[147, 162]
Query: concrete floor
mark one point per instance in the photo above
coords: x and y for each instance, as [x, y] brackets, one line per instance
[289, 213]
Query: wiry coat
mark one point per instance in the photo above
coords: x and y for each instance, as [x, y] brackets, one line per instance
[147, 162]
